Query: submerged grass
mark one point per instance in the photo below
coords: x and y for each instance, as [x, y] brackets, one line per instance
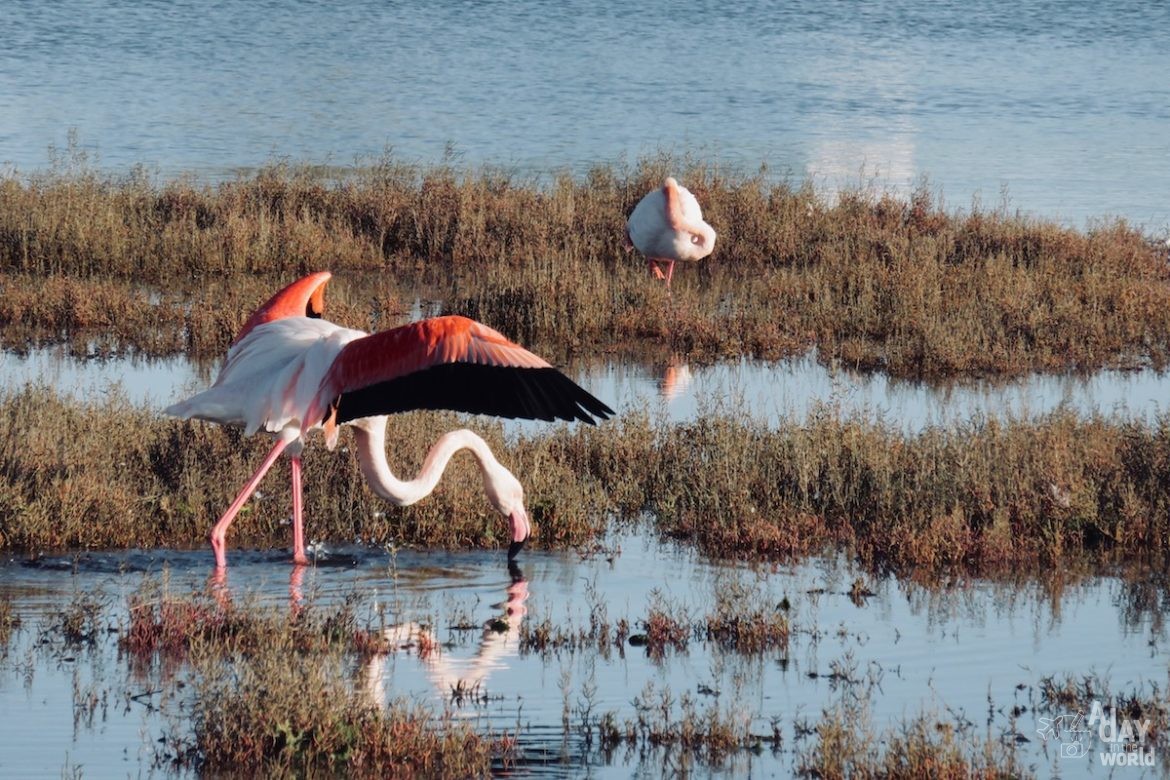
[847, 746]
[278, 691]
[739, 622]
[874, 280]
[976, 496]
[9, 621]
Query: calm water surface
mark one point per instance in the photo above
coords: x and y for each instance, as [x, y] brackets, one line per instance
[675, 391]
[1065, 106]
[941, 650]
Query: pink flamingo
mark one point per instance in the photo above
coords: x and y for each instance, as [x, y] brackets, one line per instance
[289, 371]
[667, 225]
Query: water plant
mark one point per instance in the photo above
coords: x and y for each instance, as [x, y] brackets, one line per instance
[9, 621]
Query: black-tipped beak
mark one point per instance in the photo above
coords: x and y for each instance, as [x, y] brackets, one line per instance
[514, 549]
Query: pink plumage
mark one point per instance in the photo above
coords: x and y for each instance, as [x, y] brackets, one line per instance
[667, 226]
[289, 372]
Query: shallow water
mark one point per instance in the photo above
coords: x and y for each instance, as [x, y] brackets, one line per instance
[946, 650]
[677, 392]
[1064, 106]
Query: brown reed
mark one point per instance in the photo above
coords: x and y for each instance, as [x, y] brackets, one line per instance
[874, 280]
[975, 496]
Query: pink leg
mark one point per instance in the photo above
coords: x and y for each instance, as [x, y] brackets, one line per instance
[296, 596]
[298, 515]
[669, 271]
[655, 268]
[219, 531]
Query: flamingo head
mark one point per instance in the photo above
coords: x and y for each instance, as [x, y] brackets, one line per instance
[694, 241]
[521, 529]
[506, 494]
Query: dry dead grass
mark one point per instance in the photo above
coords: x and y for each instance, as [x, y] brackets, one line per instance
[977, 496]
[875, 281]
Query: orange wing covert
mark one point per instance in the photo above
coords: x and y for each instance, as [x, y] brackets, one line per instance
[451, 363]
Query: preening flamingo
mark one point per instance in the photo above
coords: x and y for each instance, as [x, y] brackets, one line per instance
[289, 371]
[667, 225]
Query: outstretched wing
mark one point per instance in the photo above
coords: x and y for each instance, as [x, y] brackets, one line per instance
[303, 298]
[449, 363]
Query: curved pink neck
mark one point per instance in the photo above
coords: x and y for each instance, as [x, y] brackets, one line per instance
[371, 453]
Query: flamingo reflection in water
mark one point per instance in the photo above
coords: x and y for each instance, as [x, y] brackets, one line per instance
[674, 379]
[217, 586]
[456, 678]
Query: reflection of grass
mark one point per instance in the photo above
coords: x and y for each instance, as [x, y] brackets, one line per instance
[1146, 703]
[275, 690]
[741, 620]
[9, 621]
[272, 690]
[871, 279]
[976, 496]
[847, 745]
[278, 692]
[280, 710]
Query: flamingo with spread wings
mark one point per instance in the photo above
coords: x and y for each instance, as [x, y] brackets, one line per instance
[666, 226]
[290, 371]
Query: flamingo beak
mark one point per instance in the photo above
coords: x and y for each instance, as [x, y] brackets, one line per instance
[521, 529]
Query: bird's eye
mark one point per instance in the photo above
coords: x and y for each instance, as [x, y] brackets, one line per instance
[696, 239]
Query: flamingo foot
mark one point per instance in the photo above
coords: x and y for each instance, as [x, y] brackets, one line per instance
[657, 265]
[296, 596]
[219, 545]
[217, 586]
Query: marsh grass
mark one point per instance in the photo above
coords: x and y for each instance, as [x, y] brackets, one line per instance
[975, 496]
[871, 279]
[843, 743]
[280, 710]
[848, 746]
[278, 691]
[708, 734]
[275, 692]
[172, 626]
[81, 622]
